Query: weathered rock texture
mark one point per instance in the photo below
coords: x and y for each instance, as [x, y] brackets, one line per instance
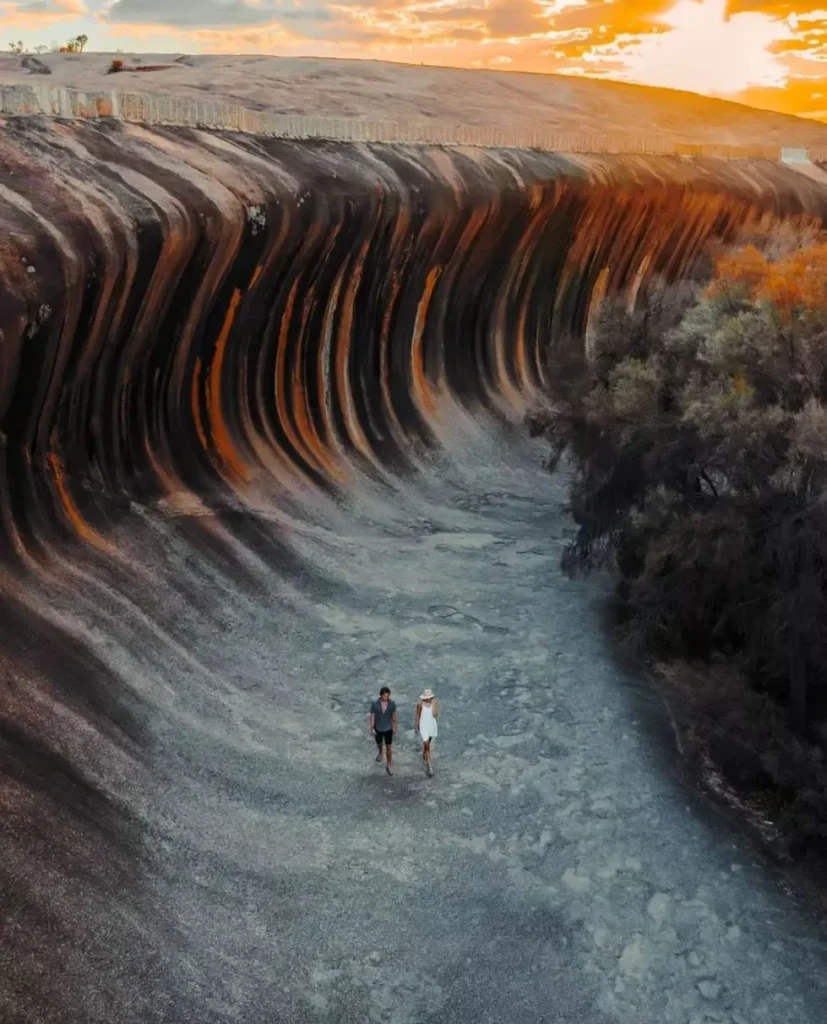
[181, 311]
[221, 333]
[372, 89]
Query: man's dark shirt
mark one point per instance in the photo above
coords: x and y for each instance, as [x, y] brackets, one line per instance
[383, 720]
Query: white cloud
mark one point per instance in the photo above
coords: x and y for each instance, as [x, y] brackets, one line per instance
[704, 51]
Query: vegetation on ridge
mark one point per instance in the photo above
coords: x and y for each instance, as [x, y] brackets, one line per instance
[697, 430]
[75, 45]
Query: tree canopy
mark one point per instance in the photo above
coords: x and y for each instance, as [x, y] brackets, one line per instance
[696, 431]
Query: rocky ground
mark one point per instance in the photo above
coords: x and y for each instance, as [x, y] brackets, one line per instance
[556, 868]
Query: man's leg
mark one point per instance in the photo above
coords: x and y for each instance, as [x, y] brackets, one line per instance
[378, 738]
[389, 753]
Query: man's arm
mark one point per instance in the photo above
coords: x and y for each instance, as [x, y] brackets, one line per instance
[395, 723]
[371, 721]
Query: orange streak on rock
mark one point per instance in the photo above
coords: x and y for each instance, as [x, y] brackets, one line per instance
[401, 232]
[79, 524]
[510, 323]
[301, 438]
[196, 408]
[543, 203]
[345, 341]
[422, 388]
[281, 358]
[169, 482]
[384, 359]
[470, 241]
[221, 436]
[322, 363]
[303, 402]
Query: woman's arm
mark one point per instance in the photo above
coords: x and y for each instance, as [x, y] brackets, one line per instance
[436, 709]
[417, 713]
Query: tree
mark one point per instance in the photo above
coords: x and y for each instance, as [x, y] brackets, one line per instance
[75, 45]
[17, 48]
[698, 432]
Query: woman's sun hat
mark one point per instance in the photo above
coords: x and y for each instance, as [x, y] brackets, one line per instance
[427, 695]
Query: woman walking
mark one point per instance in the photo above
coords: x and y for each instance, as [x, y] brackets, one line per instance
[425, 723]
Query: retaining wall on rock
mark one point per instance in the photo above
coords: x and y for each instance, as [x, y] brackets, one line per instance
[155, 109]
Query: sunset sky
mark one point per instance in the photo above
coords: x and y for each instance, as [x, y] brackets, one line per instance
[771, 53]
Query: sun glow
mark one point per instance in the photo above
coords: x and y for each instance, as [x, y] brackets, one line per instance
[768, 53]
[706, 51]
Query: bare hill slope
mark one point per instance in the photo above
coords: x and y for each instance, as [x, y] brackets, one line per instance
[361, 89]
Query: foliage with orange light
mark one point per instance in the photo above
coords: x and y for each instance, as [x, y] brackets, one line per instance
[794, 283]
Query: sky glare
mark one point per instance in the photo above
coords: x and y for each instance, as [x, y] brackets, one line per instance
[770, 53]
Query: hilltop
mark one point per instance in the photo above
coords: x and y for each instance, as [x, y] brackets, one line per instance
[374, 89]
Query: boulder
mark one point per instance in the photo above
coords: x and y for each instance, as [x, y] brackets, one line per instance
[35, 66]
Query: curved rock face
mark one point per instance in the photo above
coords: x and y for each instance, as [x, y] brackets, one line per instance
[205, 337]
[182, 311]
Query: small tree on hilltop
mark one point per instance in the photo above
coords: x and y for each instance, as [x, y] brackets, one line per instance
[75, 45]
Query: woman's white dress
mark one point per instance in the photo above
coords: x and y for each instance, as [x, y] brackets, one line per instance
[427, 723]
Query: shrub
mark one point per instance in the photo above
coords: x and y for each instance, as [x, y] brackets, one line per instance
[698, 433]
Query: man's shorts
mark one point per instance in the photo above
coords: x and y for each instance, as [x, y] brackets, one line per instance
[384, 737]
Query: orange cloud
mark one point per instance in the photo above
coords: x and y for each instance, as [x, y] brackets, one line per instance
[767, 52]
[36, 14]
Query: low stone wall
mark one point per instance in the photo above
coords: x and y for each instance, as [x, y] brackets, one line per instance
[18, 100]
[155, 109]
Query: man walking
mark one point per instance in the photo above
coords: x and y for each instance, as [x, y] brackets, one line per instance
[383, 725]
